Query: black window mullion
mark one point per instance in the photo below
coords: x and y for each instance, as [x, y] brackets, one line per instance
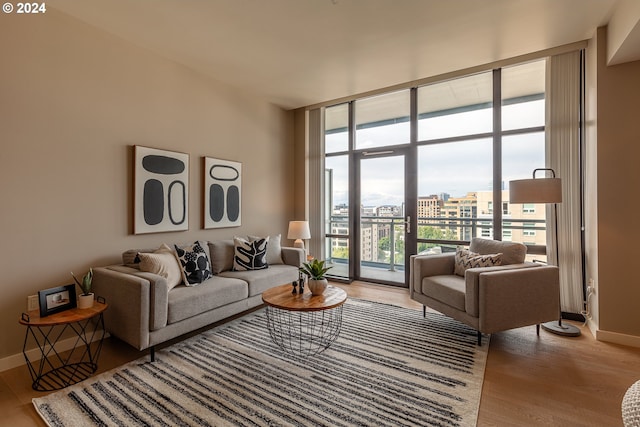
[497, 154]
[354, 199]
[411, 185]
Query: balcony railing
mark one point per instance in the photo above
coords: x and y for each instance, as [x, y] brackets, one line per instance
[382, 238]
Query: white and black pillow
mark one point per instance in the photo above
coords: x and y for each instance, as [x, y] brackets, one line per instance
[196, 267]
[274, 248]
[250, 255]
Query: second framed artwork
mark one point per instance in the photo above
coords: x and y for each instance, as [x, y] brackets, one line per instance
[222, 193]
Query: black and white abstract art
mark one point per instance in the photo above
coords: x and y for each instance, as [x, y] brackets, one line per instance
[161, 190]
[222, 193]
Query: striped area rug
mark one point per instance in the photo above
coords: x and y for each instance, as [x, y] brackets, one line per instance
[389, 367]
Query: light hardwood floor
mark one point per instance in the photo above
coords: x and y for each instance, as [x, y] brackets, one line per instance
[529, 380]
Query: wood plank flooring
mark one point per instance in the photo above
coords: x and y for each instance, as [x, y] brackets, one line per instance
[529, 380]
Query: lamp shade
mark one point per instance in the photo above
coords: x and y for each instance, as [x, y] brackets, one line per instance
[299, 230]
[541, 190]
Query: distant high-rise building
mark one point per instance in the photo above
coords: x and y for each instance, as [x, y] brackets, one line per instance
[460, 213]
[429, 207]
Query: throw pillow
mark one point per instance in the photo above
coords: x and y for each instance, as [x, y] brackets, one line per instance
[465, 259]
[162, 262]
[250, 255]
[274, 248]
[222, 252]
[196, 267]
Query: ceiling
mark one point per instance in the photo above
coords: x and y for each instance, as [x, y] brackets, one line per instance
[296, 53]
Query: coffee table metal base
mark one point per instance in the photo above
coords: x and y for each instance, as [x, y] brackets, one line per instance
[304, 333]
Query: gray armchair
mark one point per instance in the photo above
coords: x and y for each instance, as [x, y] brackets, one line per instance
[489, 299]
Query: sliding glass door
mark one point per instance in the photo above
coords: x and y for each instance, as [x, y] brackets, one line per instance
[381, 221]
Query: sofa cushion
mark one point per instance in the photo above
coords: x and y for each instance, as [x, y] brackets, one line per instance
[512, 252]
[221, 255]
[250, 255]
[465, 259]
[447, 289]
[162, 262]
[185, 302]
[194, 262]
[261, 280]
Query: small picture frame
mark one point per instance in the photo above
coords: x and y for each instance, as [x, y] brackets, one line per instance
[55, 300]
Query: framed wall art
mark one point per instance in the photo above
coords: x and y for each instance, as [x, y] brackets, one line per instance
[222, 193]
[54, 300]
[161, 200]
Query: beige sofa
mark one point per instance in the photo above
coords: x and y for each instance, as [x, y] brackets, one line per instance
[489, 299]
[144, 312]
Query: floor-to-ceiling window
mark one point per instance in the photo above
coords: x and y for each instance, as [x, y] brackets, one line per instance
[424, 169]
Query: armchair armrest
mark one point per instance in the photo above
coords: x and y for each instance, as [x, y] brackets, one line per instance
[429, 265]
[512, 298]
[472, 283]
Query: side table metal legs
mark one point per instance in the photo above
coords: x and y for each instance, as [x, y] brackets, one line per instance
[53, 370]
[304, 333]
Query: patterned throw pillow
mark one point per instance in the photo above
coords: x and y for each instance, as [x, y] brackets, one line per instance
[466, 259]
[196, 267]
[250, 255]
[274, 248]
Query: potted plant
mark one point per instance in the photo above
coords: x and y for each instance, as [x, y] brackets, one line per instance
[85, 299]
[315, 271]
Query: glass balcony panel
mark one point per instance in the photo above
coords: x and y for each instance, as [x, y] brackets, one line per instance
[452, 177]
[337, 194]
[337, 257]
[524, 222]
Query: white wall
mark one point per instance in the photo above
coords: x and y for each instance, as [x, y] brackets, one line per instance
[73, 100]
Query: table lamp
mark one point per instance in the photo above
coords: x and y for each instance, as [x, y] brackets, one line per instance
[299, 230]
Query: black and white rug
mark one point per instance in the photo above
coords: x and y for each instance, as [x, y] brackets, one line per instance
[389, 367]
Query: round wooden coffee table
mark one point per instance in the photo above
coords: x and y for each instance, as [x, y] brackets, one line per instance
[304, 325]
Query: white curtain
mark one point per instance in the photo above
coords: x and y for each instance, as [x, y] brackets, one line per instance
[563, 156]
[316, 183]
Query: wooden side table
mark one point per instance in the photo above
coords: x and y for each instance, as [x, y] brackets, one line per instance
[55, 369]
[304, 325]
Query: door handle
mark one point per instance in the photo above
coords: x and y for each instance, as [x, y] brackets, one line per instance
[407, 225]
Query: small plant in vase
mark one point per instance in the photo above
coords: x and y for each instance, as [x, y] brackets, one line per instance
[85, 299]
[315, 271]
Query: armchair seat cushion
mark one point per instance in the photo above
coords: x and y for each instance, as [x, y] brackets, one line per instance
[447, 289]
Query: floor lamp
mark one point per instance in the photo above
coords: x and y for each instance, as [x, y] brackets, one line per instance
[543, 190]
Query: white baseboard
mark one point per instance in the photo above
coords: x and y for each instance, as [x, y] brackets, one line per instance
[592, 327]
[34, 354]
[617, 338]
